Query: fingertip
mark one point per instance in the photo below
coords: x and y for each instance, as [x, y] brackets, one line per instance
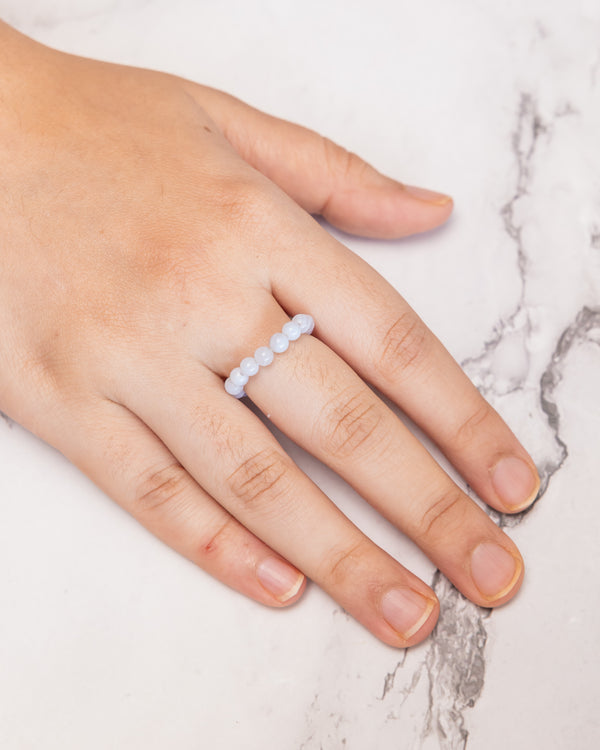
[419, 209]
[426, 626]
[386, 209]
[430, 197]
[516, 483]
[497, 571]
[408, 615]
[283, 583]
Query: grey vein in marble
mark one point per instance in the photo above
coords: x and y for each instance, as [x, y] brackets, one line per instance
[455, 661]
[388, 682]
[455, 664]
[451, 675]
[524, 140]
[584, 329]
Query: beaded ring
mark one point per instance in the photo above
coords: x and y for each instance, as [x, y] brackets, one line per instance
[264, 355]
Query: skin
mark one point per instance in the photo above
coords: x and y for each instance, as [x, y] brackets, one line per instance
[154, 232]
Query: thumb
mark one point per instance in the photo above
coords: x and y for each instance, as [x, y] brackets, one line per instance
[325, 178]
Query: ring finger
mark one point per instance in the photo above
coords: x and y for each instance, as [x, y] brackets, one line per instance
[237, 460]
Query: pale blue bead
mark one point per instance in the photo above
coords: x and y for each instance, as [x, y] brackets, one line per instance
[263, 355]
[292, 330]
[279, 342]
[306, 322]
[249, 366]
[237, 377]
[233, 389]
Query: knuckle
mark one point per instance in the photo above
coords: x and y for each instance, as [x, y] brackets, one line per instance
[443, 517]
[215, 540]
[352, 424]
[157, 489]
[342, 165]
[211, 425]
[172, 268]
[264, 477]
[345, 564]
[245, 204]
[403, 348]
[45, 362]
[42, 368]
[471, 429]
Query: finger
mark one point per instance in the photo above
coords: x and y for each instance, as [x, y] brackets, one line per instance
[323, 177]
[239, 462]
[335, 416]
[131, 465]
[364, 319]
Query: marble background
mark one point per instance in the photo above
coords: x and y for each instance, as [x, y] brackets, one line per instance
[110, 640]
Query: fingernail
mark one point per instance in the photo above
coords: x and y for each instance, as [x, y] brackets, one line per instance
[405, 610]
[429, 196]
[494, 569]
[515, 483]
[279, 578]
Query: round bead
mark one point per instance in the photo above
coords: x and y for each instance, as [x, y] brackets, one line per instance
[306, 322]
[279, 342]
[292, 330]
[249, 366]
[263, 356]
[237, 377]
[233, 389]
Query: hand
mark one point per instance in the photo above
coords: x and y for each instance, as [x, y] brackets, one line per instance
[154, 233]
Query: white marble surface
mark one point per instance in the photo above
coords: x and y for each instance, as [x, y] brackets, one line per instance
[110, 640]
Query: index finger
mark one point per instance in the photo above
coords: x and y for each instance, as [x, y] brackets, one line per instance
[366, 321]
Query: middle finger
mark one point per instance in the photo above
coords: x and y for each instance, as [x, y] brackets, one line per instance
[313, 396]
